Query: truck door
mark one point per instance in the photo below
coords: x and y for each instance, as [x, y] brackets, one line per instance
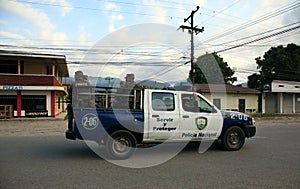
[162, 116]
[199, 119]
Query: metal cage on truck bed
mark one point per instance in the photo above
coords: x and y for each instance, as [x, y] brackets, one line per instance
[85, 96]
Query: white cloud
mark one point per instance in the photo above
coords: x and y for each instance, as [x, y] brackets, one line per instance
[112, 10]
[111, 7]
[11, 35]
[36, 18]
[155, 9]
[83, 36]
[113, 19]
[64, 5]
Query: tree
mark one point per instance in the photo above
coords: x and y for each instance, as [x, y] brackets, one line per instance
[278, 63]
[211, 68]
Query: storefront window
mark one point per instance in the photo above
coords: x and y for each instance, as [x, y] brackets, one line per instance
[34, 105]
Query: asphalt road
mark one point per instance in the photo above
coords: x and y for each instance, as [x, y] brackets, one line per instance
[270, 160]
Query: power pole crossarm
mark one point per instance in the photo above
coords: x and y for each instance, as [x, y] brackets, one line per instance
[192, 29]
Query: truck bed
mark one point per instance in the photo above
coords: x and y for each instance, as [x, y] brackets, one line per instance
[93, 124]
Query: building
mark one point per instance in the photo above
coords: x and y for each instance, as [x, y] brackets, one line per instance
[32, 83]
[281, 97]
[229, 97]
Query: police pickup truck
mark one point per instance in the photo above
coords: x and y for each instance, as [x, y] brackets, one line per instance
[122, 119]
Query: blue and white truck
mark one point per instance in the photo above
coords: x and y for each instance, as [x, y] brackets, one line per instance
[121, 119]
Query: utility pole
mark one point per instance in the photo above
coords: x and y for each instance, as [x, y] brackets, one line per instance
[192, 29]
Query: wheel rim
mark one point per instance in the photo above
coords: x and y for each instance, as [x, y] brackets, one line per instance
[121, 145]
[234, 138]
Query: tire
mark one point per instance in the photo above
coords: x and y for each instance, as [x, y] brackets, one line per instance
[121, 144]
[233, 139]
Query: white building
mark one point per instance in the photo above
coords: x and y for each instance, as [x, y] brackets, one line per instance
[283, 97]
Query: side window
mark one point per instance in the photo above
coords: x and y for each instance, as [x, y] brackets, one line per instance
[191, 103]
[163, 101]
[204, 106]
[188, 103]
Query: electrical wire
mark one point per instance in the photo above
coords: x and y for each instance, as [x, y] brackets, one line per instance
[259, 39]
[93, 9]
[255, 21]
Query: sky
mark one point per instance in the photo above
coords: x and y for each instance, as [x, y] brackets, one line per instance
[112, 38]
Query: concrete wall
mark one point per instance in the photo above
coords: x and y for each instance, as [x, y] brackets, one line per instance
[35, 68]
[230, 101]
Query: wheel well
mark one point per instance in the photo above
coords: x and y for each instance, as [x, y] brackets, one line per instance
[238, 125]
[138, 136]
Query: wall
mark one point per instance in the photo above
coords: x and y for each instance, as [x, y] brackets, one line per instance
[59, 107]
[297, 103]
[33, 67]
[230, 101]
[271, 103]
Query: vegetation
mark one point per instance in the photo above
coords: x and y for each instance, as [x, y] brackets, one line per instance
[278, 63]
[207, 72]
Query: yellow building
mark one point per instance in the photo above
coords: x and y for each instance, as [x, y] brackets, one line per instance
[32, 83]
[229, 97]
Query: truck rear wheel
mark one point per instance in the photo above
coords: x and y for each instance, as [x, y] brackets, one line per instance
[233, 139]
[121, 144]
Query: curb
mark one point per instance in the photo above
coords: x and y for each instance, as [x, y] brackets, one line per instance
[60, 117]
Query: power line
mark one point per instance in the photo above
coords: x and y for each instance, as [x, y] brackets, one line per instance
[93, 9]
[144, 5]
[231, 5]
[203, 8]
[255, 21]
[261, 33]
[259, 39]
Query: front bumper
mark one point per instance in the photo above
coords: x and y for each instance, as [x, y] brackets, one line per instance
[250, 130]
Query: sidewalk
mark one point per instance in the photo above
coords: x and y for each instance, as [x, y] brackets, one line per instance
[61, 117]
[46, 126]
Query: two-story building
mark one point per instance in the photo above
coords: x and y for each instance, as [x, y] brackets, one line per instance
[32, 83]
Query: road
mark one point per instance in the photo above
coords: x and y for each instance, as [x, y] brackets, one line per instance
[269, 160]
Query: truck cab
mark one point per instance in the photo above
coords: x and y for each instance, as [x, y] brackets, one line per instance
[123, 118]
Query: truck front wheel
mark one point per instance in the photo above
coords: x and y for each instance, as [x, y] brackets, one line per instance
[121, 144]
[233, 139]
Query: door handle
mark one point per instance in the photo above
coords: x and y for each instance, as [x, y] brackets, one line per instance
[185, 116]
[155, 115]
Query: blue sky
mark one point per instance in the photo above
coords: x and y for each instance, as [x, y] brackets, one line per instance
[63, 24]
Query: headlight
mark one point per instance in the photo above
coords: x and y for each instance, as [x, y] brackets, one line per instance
[253, 121]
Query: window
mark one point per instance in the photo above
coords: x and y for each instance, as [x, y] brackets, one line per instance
[58, 102]
[9, 100]
[193, 103]
[49, 69]
[34, 102]
[204, 106]
[9, 66]
[163, 101]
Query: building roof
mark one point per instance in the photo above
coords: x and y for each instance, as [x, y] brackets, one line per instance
[224, 88]
[60, 60]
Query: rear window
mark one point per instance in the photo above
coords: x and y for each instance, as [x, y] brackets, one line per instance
[163, 101]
